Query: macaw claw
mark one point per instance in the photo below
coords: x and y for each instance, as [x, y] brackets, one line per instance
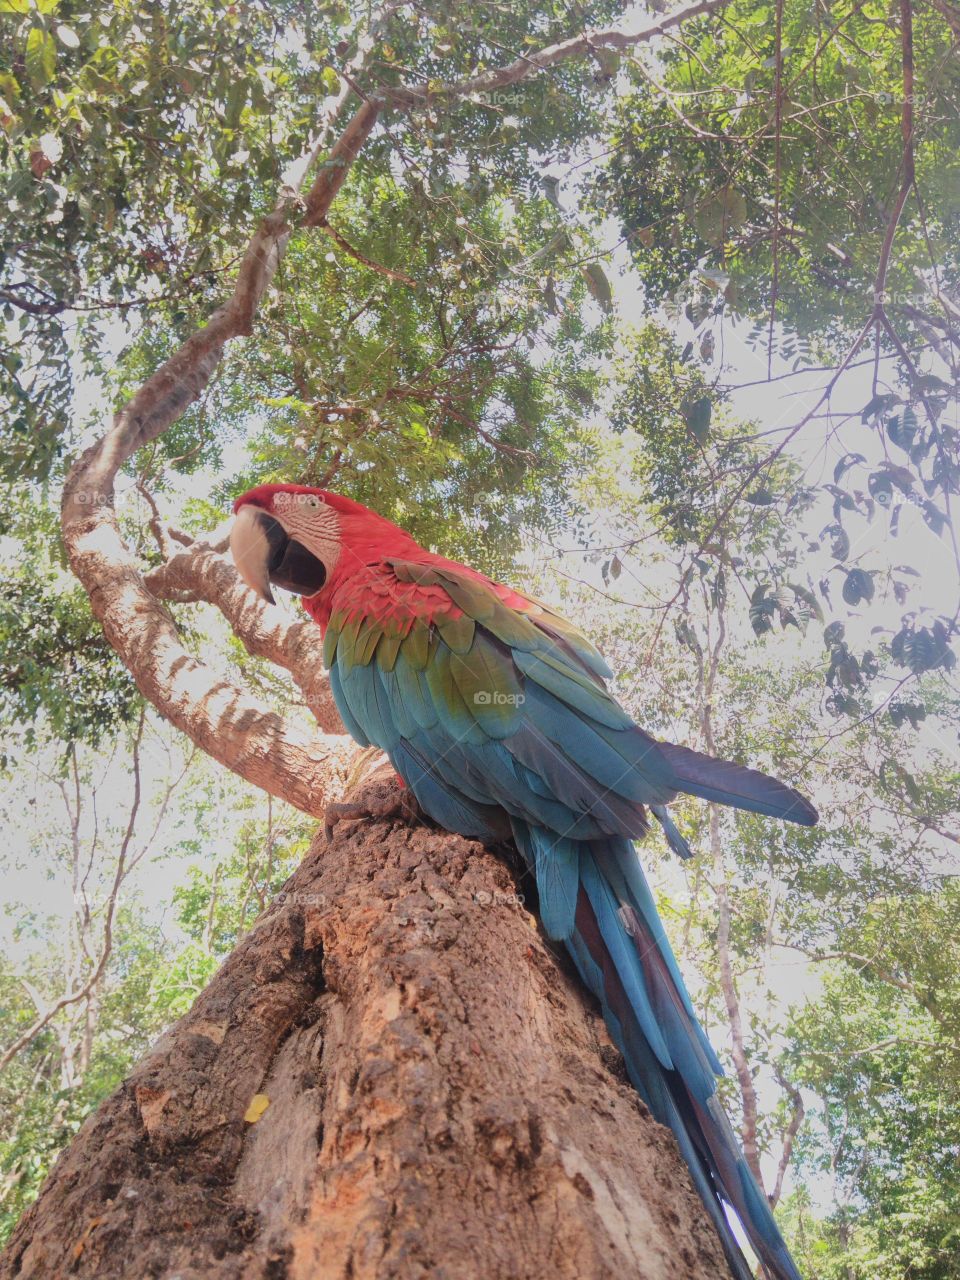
[403, 805]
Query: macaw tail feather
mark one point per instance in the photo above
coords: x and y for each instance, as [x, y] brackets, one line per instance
[595, 898]
[670, 829]
[724, 782]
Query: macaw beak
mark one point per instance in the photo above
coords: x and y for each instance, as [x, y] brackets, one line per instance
[265, 555]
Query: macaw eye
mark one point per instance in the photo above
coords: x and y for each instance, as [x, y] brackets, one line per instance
[312, 501]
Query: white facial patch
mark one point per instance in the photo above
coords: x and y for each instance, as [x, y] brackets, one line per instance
[308, 519]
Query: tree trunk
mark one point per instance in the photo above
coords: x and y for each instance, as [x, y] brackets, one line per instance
[442, 1103]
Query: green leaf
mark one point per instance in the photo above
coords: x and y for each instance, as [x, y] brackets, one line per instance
[598, 285]
[878, 405]
[608, 62]
[858, 586]
[762, 609]
[881, 488]
[551, 190]
[697, 417]
[902, 429]
[720, 214]
[840, 546]
[41, 57]
[934, 518]
[236, 98]
[807, 597]
[915, 712]
[848, 460]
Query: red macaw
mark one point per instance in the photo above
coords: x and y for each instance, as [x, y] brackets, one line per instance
[494, 712]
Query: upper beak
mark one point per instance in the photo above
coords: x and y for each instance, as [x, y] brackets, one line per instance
[254, 540]
[265, 554]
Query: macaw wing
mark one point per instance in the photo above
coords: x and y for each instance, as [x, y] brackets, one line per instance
[497, 695]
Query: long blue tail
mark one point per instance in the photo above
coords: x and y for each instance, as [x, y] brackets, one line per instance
[595, 898]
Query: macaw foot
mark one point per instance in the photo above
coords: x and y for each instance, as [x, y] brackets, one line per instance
[402, 804]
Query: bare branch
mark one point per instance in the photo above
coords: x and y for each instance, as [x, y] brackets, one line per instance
[156, 524]
[343, 243]
[106, 944]
[531, 64]
[790, 1136]
[265, 630]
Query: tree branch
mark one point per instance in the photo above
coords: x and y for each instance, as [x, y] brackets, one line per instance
[790, 1136]
[532, 63]
[216, 715]
[266, 631]
[343, 243]
[950, 13]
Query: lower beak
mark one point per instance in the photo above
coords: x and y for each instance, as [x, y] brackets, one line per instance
[265, 555]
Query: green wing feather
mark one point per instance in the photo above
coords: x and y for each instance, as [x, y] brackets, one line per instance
[330, 641]
[457, 633]
[416, 646]
[573, 688]
[455, 715]
[347, 644]
[465, 663]
[389, 647]
[489, 686]
[368, 637]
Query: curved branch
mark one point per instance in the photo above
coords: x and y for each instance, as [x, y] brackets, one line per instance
[221, 719]
[204, 573]
[790, 1135]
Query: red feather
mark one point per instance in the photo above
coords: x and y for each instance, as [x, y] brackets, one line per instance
[360, 579]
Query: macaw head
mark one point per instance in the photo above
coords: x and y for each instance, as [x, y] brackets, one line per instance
[304, 540]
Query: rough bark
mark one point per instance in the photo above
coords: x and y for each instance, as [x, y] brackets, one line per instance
[203, 572]
[442, 1102]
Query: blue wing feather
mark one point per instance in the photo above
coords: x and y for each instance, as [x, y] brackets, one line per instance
[344, 706]
[555, 861]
